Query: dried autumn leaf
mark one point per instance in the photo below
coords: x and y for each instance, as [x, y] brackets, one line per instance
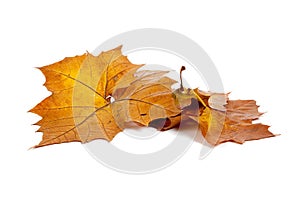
[80, 89]
[147, 97]
[234, 124]
[219, 119]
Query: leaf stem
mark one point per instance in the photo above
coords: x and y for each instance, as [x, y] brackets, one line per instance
[181, 85]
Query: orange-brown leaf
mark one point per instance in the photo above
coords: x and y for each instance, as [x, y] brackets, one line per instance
[79, 108]
[234, 125]
[143, 97]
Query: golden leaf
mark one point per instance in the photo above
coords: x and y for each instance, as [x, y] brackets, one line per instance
[79, 108]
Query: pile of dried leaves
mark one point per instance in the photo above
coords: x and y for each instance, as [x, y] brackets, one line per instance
[96, 97]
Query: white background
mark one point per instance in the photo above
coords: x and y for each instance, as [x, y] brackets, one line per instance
[255, 46]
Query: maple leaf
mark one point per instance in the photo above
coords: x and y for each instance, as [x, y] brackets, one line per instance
[87, 81]
[148, 97]
[230, 120]
[220, 119]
